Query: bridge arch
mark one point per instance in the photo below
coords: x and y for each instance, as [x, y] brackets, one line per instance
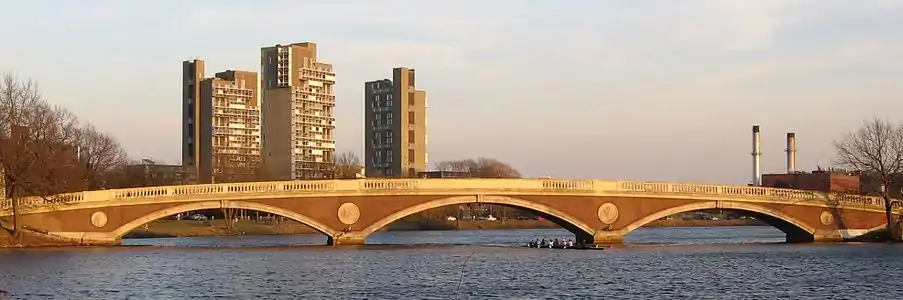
[322, 228]
[788, 224]
[558, 217]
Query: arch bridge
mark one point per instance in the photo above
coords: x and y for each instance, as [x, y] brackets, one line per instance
[347, 211]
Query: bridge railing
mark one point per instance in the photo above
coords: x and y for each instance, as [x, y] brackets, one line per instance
[779, 194]
[395, 186]
[719, 190]
[31, 201]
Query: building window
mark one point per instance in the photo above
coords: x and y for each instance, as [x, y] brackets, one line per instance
[389, 136]
[376, 139]
[389, 102]
[389, 119]
[411, 118]
[377, 156]
[389, 156]
[411, 158]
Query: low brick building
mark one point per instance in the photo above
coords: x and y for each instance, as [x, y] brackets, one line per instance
[149, 173]
[833, 181]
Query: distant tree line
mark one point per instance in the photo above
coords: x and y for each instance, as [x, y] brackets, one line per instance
[348, 166]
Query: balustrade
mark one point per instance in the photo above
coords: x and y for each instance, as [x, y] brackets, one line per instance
[586, 185]
[389, 184]
[446, 185]
[858, 200]
[297, 186]
[897, 205]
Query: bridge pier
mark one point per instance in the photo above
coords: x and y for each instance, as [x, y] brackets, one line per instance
[346, 239]
[602, 237]
[827, 236]
[819, 236]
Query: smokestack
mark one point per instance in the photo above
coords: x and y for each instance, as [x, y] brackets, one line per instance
[757, 157]
[791, 152]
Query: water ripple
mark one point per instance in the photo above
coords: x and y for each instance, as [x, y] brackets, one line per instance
[686, 268]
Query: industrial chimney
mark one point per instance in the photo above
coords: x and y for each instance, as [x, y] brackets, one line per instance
[791, 152]
[757, 157]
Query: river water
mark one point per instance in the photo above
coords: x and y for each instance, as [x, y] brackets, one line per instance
[691, 263]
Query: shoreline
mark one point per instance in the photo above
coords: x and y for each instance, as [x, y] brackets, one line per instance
[190, 228]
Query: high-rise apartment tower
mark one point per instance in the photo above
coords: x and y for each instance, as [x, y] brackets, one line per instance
[395, 125]
[298, 103]
[221, 125]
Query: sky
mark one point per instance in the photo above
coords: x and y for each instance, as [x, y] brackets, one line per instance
[655, 90]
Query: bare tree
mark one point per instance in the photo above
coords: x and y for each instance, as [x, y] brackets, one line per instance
[48, 137]
[125, 176]
[99, 154]
[44, 151]
[347, 165]
[481, 168]
[876, 149]
[462, 165]
[35, 144]
[141, 174]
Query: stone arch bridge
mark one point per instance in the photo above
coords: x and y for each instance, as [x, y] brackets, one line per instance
[348, 210]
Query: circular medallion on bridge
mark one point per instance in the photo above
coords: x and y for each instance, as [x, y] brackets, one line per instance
[608, 213]
[826, 218]
[99, 219]
[349, 213]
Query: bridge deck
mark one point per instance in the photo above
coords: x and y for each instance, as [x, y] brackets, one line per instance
[457, 186]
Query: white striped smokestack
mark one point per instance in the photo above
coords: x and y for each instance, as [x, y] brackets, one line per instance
[791, 152]
[757, 157]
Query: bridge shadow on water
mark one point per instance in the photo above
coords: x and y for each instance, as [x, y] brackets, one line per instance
[443, 234]
[387, 240]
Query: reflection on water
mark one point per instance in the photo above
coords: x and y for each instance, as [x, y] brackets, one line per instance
[460, 264]
[669, 236]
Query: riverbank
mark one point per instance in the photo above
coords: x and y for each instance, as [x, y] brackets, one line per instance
[190, 228]
[28, 239]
